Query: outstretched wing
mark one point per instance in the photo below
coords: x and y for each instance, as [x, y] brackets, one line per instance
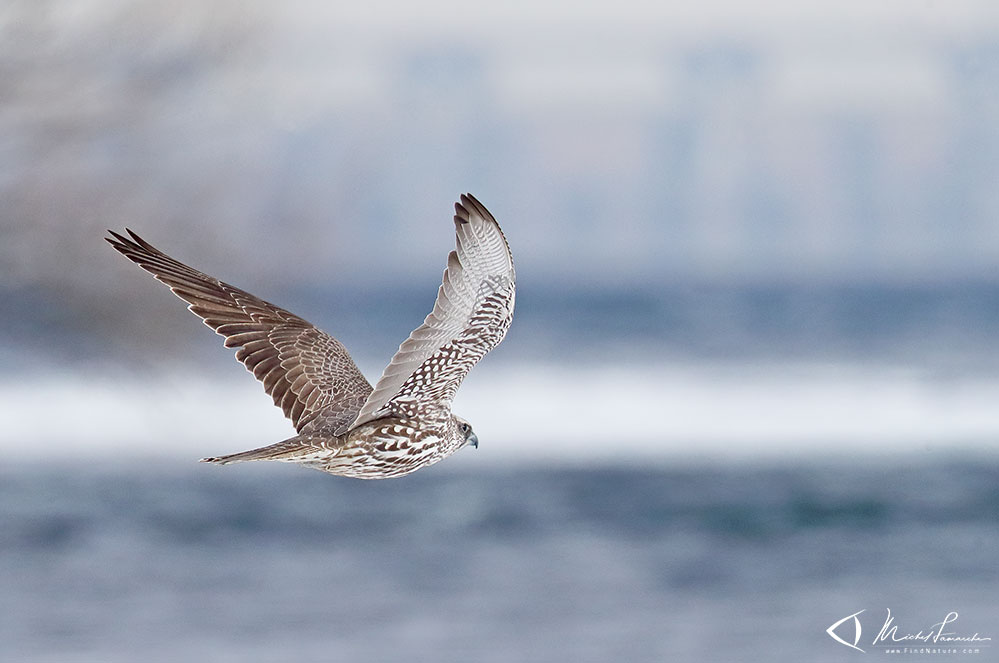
[308, 373]
[471, 316]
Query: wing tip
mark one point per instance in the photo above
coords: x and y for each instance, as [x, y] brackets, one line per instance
[118, 241]
[468, 205]
[131, 245]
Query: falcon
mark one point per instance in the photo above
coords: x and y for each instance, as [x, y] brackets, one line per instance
[344, 426]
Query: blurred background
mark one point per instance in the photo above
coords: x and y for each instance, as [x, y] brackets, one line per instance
[750, 388]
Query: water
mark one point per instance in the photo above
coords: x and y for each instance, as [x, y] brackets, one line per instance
[947, 326]
[164, 562]
[808, 453]
[727, 370]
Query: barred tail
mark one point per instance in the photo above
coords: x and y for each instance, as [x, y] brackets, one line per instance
[293, 450]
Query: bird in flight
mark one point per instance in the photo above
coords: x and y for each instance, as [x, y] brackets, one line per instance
[343, 426]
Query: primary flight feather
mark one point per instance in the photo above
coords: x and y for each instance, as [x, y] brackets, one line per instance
[345, 426]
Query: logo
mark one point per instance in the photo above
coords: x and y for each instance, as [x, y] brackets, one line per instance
[856, 631]
[938, 638]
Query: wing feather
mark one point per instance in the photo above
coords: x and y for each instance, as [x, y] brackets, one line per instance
[308, 373]
[472, 313]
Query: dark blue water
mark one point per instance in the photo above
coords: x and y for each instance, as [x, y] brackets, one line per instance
[275, 563]
[951, 325]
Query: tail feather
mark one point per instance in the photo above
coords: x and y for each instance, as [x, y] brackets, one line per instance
[293, 450]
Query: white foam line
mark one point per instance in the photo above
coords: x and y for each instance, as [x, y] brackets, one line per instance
[548, 411]
[682, 410]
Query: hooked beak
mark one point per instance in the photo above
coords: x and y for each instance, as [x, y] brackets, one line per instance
[473, 440]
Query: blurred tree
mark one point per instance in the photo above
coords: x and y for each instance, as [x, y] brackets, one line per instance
[83, 88]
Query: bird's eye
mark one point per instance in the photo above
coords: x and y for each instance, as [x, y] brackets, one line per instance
[465, 428]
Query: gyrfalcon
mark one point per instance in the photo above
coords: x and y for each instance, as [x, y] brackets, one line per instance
[344, 426]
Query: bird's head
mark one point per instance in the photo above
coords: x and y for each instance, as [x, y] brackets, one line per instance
[465, 429]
